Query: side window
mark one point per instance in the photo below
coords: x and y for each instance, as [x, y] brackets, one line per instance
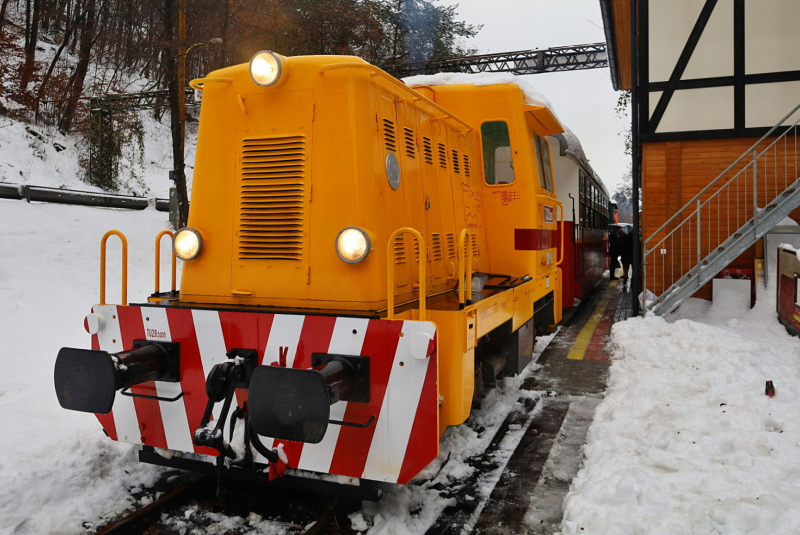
[546, 162]
[497, 163]
[796, 291]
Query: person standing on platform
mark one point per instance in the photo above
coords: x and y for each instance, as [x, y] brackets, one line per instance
[626, 252]
[614, 250]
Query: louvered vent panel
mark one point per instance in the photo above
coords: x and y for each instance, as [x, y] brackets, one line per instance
[451, 245]
[475, 250]
[456, 166]
[427, 150]
[408, 137]
[416, 251]
[389, 137]
[442, 156]
[466, 165]
[399, 250]
[436, 246]
[272, 199]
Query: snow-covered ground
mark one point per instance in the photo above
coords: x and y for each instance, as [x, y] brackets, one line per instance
[685, 440]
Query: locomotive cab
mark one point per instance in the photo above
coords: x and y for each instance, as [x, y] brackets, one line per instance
[518, 185]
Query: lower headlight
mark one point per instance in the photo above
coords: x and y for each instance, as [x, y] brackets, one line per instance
[353, 245]
[187, 243]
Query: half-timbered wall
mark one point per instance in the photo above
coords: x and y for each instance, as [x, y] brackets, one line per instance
[713, 67]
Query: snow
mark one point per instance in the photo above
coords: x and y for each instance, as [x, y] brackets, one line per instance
[532, 96]
[686, 441]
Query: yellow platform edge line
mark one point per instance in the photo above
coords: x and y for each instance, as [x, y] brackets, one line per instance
[584, 337]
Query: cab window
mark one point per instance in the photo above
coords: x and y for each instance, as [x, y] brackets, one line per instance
[543, 158]
[498, 166]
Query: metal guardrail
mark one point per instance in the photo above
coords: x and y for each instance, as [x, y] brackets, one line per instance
[84, 198]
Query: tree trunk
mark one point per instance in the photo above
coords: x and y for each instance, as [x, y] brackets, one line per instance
[3, 14]
[75, 86]
[67, 37]
[31, 38]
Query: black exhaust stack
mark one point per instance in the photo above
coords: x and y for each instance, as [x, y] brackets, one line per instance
[294, 404]
[88, 380]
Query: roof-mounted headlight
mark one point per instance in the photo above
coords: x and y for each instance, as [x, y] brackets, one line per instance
[187, 243]
[266, 68]
[353, 244]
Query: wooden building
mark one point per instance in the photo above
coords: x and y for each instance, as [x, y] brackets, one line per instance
[708, 78]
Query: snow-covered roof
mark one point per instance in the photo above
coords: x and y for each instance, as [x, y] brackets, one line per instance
[571, 147]
[532, 96]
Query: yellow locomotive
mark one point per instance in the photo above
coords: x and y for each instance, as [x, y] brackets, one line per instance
[361, 259]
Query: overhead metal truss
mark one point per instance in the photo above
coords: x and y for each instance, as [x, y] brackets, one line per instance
[556, 59]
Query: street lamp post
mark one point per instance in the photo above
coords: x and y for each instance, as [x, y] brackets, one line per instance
[179, 116]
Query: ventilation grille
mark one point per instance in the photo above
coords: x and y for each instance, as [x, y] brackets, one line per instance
[442, 156]
[427, 150]
[456, 166]
[272, 198]
[436, 246]
[466, 165]
[475, 250]
[451, 245]
[416, 251]
[408, 136]
[399, 250]
[389, 137]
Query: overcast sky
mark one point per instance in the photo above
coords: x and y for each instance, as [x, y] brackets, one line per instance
[584, 100]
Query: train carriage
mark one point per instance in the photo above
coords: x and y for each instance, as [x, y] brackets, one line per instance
[361, 259]
[586, 218]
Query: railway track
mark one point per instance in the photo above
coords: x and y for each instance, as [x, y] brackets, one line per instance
[191, 506]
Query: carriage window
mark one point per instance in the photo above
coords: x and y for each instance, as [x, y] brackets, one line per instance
[543, 159]
[497, 163]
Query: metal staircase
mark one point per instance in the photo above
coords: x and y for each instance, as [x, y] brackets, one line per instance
[724, 218]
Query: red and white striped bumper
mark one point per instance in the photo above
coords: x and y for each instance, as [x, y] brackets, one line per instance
[403, 384]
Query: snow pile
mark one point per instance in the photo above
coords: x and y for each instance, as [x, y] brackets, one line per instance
[686, 441]
[58, 469]
[532, 96]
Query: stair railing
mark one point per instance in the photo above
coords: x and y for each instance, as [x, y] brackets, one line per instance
[719, 210]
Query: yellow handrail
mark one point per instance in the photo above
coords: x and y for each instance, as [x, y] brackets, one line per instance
[561, 248]
[423, 288]
[464, 268]
[158, 261]
[547, 198]
[199, 83]
[124, 266]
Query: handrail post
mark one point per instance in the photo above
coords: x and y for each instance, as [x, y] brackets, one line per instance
[464, 267]
[755, 187]
[124, 266]
[423, 286]
[561, 248]
[158, 261]
[699, 238]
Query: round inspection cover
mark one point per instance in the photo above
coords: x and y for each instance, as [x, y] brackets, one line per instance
[393, 170]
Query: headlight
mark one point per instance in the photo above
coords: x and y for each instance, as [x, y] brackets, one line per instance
[187, 244]
[266, 68]
[353, 245]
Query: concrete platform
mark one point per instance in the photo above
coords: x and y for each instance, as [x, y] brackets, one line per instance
[528, 496]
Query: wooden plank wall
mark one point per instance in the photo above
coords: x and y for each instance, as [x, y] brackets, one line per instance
[674, 172]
